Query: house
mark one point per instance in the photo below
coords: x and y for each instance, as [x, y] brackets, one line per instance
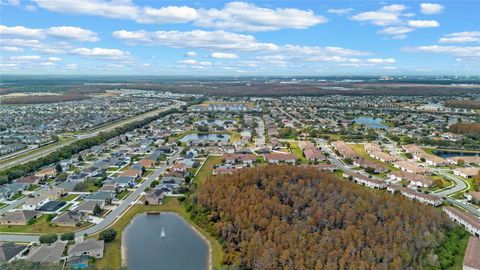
[416, 179]
[313, 154]
[179, 167]
[415, 195]
[410, 167]
[242, 158]
[69, 219]
[473, 196]
[132, 173]
[44, 253]
[467, 160]
[87, 207]
[10, 251]
[19, 217]
[9, 190]
[372, 148]
[100, 195]
[147, 163]
[29, 180]
[365, 163]
[326, 167]
[304, 145]
[154, 197]
[124, 181]
[46, 172]
[468, 220]
[365, 180]
[383, 157]
[345, 150]
[52, 193]
[109, 187]
[412, 149]
[468, 172]
[471, 260]
[90, 247]
[278, 157]
[34, 203]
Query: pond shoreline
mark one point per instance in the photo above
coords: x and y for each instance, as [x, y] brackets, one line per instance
[123, 248]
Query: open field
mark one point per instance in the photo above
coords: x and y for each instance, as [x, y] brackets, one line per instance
[112, 257]
[206, 169]
[298, 152]
[40, 226]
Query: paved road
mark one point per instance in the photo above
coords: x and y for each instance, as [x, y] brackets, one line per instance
[38, 152]
[112, 216]
[260, 142]
[289, 115]
[459, 184]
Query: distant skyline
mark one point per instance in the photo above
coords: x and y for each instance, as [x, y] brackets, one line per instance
[225, 38]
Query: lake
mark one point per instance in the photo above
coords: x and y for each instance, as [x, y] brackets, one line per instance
[205, 137]
[370, 122]
[181, 248]
[448, 154]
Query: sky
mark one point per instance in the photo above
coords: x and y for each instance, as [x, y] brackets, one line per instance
[311, 38]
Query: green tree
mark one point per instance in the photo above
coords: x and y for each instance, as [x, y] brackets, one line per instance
[108, 235]
[58, 168]
[67, 236]
[48, 238]
[97, 210]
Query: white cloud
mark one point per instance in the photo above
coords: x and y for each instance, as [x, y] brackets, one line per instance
[386, 15]
[242, 16]
[429, 8]
[423, 23]
[10, 2]
[192, 63]
[220, 55]
[54, 59]
[340, 11]
[21, 31]
[67, 32]
[398, 32]
[381, 61]
[71, 66]
[451, 50]
[11, 49]
[26, 58]
[100, 52]
[170, 14]
[72, 32]
[461, 37]
[190, 54]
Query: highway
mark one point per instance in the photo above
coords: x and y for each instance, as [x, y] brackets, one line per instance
[41, 152]
[112, 216]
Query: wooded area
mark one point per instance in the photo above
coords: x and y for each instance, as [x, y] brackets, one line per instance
[463, 103]
[38, 99]
[470, 129]
[288, 217]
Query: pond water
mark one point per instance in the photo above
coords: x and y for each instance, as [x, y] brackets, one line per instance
[448, 154]
[205, 137]
[370, 122]
[181, 248]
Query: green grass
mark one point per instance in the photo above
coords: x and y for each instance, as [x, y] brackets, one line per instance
[2, 205]
[360, 149]
[207, 168]
[297, 152]
[123, 194]
[40, 226]
[69, 197]
[112, 256]
[17, 196]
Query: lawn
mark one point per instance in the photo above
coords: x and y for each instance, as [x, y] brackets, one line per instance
[41, 226]
[112, 256]
[206, 169]
[2, 205]
[17, 196]
[360, 149]
[69, 197]
[298, 152]
[122, 194]
[234, 136]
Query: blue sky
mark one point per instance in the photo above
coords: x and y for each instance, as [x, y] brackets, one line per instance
[240, 38]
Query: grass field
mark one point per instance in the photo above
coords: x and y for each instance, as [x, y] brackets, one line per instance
[206, 169]
[41, 226]
[112, 256]
[360, 149]
[123, 194]
[298, 152]
[69, 197]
